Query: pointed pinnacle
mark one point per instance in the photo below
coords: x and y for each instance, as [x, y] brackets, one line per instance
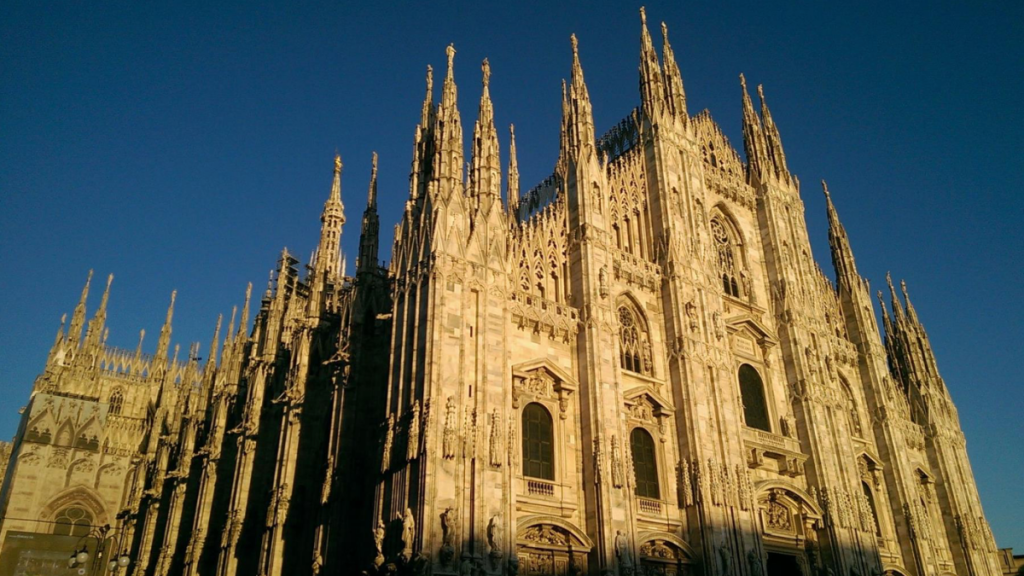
[212, 358]
[170, 309]
[824, 188]
[371, 199]
[85, 289]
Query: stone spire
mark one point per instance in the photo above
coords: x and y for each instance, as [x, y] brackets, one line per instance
[243, 324]
[448, 146]
[563, 133]
[427, 111]
[675, 96]
[369, 234]
[94, 333]
[773, 140]
[513, 173]
[897, 308]
[211, 360]
[911, 313]
[652, 93]
[165, 332]
[842, 254]
[332, 220]
[229, 339]
[485, 170]
[753, 137]
[580, 121]
[78, 316]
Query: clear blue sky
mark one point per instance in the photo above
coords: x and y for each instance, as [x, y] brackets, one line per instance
[182, 145]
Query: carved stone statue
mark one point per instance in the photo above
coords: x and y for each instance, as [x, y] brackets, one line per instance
[378, 542]
[726, 559]
[412, 448]
[755, 563]
[447, 536]
[408, 533]
[622, 550]
[494, 536]
[448, 526]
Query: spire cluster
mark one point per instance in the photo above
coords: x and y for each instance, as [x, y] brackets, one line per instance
[661, 87]
[762, 142]
[911, 358]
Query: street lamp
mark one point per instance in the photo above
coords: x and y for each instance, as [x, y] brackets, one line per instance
[79, 559]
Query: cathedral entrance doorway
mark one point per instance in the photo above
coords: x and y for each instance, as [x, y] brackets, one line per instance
[783, 565]
[545, 549]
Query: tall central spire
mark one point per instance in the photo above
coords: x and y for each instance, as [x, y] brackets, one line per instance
[842, 254]
[753, 136]
[652, 93]
[448, 156]
[675, 96]
[579, 121]
[773, 139]
[328, 252]
[486, 167]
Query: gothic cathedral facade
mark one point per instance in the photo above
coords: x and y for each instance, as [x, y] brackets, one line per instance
[634, 368]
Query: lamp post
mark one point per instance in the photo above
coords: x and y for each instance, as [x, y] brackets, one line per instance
[79, 560]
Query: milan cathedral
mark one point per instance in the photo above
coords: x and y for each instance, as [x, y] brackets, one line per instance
[634, 368]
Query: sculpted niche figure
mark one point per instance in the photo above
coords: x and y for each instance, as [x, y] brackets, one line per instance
[622, 550]
[447, 536]
[378, 542]
[408, 533]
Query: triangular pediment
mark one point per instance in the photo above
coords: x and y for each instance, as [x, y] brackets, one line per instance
[561, 378]
[754, 328]
[641, 394]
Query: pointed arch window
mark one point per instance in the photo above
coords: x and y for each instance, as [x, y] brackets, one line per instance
[634, 342]
[645, 464]
[755, 409]
[116, 401]
[538, 443]
[870, 497]
[72, 521]
[728, 257]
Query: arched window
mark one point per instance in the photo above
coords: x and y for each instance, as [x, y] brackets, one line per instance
[538, 443]
[728, 257]
[72, 521]
[634, 343]
[755, 410]
[116, 401]
[871, 504]
[645, 466]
